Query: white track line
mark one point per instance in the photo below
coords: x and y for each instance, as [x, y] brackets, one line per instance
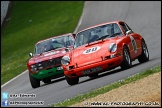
[80, 20]
[13, 78]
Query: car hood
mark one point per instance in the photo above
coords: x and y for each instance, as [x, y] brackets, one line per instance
[48, 55]
[92, 53]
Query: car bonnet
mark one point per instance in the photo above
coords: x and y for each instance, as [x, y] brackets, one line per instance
[48, 55]
[88, 54]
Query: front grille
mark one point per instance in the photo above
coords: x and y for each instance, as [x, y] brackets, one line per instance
[50, 63]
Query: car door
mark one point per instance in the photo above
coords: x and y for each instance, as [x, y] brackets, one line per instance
[136, 42]
[132, 40]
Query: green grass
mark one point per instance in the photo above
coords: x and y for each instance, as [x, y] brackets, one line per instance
[107, 88]
[49, 18]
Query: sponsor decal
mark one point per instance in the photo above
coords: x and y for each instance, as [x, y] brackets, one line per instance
[91, 50]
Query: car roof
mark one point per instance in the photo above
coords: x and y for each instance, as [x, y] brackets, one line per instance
[54, 37]
[99, 25]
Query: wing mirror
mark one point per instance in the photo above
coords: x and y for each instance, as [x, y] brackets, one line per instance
[128, 32]
[74, 35]
[67, 49]
[30, 54]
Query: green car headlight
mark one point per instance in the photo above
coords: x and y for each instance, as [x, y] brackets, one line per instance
[33, 68]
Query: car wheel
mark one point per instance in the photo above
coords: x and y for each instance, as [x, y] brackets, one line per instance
[93, 75]
[145, 54]
[127, 63]
[72, 81]
[34, 82]
[47, 80]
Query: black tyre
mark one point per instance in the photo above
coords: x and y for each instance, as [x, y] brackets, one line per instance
[145, 54]
[127, 63]
[47, 80]
[34, 82]
[93, 75]
[72, 81]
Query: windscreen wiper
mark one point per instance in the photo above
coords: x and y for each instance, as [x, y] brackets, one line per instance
[103, 37]
[95, 42]
[56, 48]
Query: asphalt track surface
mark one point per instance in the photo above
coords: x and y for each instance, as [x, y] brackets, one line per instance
[144, 17]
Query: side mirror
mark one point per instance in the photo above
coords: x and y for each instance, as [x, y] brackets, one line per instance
[67, 49]
[128, 32]
[30, 54]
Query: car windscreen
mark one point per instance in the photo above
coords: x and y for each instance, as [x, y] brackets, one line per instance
[97, 33]
[53, 43]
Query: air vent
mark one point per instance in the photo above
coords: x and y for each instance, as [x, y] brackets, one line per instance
[107, 57]
[71, 67]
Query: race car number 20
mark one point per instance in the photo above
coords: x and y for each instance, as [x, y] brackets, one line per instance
[91, 50]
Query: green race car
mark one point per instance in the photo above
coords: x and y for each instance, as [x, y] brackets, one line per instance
[45, 63]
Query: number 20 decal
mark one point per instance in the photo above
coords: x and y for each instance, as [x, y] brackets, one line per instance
[91, 50]
[134, 44]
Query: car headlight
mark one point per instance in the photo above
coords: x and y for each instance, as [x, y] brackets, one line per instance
[33, 68]
[40, 66]
[112, 47]
[65, 60]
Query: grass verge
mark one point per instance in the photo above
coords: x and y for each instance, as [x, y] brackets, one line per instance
[31, 21]
[105, 89]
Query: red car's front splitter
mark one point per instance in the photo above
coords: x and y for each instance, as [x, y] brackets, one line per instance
[105, 64]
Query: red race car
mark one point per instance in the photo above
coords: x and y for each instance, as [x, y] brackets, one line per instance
[101, 47]
[45, 64]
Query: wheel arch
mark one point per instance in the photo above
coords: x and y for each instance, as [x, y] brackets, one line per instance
[125, 45]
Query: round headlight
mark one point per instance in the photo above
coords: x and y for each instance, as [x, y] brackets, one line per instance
[40, 66]
[65, 60]
[112, 47]
[32, 66]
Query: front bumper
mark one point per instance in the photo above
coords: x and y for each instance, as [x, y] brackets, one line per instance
[105, 64]
[48, 73]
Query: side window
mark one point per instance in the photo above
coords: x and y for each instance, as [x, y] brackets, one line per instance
[117, 30]
[128, 26]
[124, 27]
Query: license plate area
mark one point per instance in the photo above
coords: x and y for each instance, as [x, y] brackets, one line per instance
[59, 68]
[92, 70]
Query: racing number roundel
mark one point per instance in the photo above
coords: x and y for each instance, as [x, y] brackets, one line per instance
[91, 50]
[134, 44]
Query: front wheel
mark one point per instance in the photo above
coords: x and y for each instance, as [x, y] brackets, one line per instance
[72, 81]
[34, 82]
[145, 54]
[127, 63]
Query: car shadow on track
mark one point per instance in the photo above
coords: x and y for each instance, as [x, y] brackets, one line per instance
[102, 74]
[54, 81]
[108, 72]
